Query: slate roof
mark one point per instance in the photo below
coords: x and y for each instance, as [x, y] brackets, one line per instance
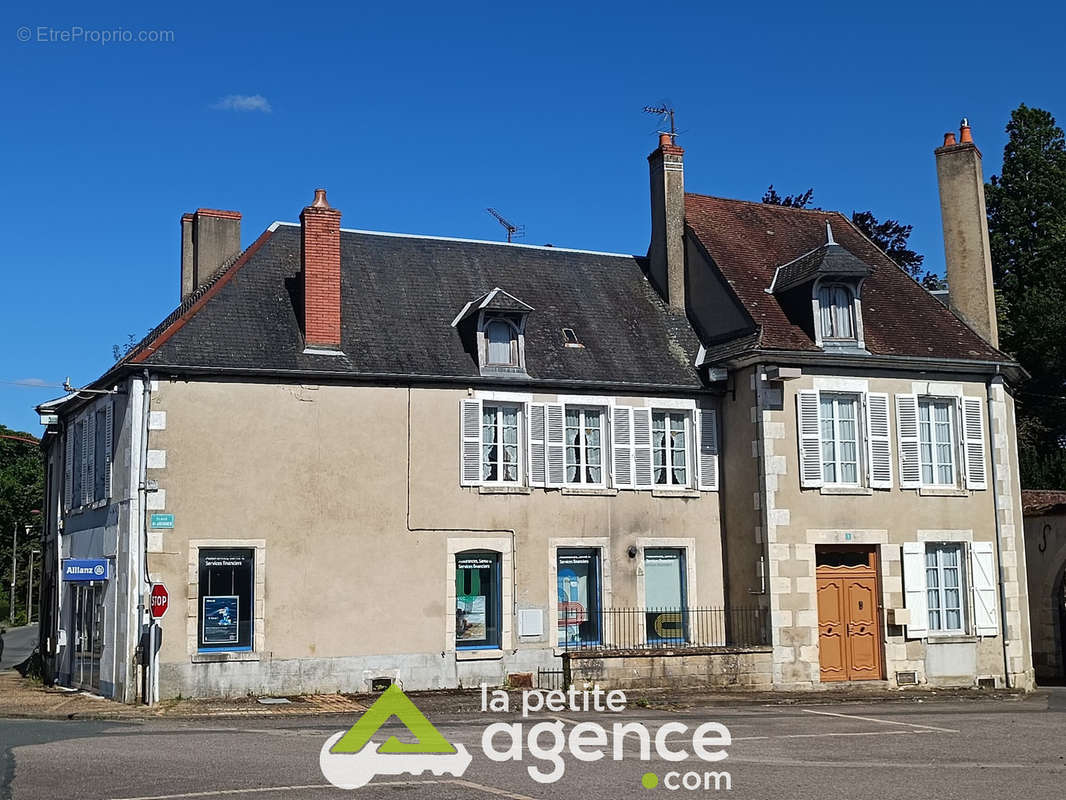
[748, 241]
[399, 295]
[829, 260]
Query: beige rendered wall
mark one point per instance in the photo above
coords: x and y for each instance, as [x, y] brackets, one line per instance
[352, 564]
[797, 520]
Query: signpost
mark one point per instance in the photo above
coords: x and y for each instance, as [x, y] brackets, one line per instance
[160, 600]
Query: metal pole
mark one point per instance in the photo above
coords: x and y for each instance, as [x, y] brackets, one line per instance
[29, 592]
[14, 545]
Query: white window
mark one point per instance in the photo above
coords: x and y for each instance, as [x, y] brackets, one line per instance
[500, 443]
[839, 419]
[944, 590]
[669, 441]
[936, 437]
[584, 445]
[501, 343]
[835, 311]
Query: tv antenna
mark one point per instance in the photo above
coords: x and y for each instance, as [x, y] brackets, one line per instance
[663, 112]
[513, 231]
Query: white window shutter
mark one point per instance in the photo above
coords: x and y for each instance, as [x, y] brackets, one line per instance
[642, 471]
[707, 436]
[88, 455]
[973, 443]
[470, 453]
[68, 469]
[983, 583]
[536, 444]
[878, 441]
[555, 444]
[910, 461]
[109, 447]
[622, 447]
[808, 423]
[914, 589]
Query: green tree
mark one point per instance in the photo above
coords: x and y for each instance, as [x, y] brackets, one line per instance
[21, 500]
[1027, 232]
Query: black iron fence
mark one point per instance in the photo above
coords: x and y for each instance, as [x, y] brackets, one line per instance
[660, 628]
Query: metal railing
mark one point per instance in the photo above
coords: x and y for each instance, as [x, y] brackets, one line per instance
[660, 628]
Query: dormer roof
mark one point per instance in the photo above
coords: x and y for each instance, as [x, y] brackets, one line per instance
[496, 300]
[829, 260]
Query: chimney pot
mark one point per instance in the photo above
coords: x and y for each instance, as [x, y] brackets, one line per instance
[949, 139]
[965, 135]
[320, 199]
[665, 140]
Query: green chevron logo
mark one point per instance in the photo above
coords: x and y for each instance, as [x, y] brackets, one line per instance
[394, 703]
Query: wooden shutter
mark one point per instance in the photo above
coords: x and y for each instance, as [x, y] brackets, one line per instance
[642, 471]
[878, 443]
[109, 447]
[555, 444]
[707, 436]
[622, 447]
[808, 423]
[68, 467]
[536, 444]
[914, 589]
[88, 456]
[973, 443]
[983, 588]
[470, 452]
[910, 461]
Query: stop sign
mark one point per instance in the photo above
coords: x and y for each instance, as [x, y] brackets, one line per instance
[160, 600]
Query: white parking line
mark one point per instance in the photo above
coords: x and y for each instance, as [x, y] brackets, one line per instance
[305, 787]
[820, 735]
[882, 721]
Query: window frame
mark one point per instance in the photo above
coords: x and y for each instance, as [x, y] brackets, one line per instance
[498, 407]
[596, 554]
[512, 342]
[582, 446]
[200, 647]
[856, 400]
[497, 607]
[669, 450]
[952, 404]
[682, 553]
[962, 584]
[849, 294]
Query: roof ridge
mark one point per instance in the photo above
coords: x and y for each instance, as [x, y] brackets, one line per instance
[767, 205]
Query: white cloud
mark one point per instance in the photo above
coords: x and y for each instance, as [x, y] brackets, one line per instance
[243, 102]
[33, 382]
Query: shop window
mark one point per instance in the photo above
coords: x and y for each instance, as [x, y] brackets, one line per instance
[478, 606]
[226, 598]
[664, 595]
[578, 578]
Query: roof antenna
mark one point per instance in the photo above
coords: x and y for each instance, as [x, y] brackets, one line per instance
[515, 231]
[664, 111]
[829, 233]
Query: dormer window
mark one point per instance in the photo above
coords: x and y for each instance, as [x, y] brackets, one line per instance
[501, 343]
[836, 313]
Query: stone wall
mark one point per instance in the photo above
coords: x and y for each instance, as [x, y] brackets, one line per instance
[750, 668]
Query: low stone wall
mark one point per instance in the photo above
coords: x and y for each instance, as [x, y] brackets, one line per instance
[712, 667]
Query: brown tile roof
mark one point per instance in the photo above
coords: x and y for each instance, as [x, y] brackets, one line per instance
[748, 241]
[1036, 502]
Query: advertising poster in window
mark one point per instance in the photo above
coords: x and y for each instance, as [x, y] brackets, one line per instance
[221, 613]
[473, 584]
[576, 579]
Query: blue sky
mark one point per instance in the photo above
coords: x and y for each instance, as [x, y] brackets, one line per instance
[418, 116]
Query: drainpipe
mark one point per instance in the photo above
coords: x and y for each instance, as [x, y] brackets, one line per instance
[999, 535]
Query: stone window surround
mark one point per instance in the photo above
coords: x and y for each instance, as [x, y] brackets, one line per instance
[689, 546]
[603, 544]
[193, 608]
[504, 546]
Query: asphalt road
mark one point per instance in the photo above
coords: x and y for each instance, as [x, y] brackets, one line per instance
[933, 751]
[18, 644]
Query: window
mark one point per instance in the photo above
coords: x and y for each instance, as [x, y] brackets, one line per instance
[477, 600]
[227, 600]
[100, 465]
[943, 584]
[664, 594]
[499, 444]
[669, 440]
[936, 436]
[501, 343]
[840, 439]
[584, 445]
[578, 577]
[836, 318]
[77, 497]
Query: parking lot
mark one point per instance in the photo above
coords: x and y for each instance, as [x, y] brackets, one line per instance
[954, 748]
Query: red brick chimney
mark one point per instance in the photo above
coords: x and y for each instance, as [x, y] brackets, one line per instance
[320, 228]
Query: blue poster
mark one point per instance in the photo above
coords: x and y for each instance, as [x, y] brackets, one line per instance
[220, 619]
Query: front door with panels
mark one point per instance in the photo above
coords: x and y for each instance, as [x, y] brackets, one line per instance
[849, 632]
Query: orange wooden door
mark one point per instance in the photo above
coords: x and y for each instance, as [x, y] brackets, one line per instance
[863, 637]
[832, 642]
[849, 636]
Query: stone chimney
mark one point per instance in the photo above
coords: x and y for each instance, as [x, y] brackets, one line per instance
[320, 228]
[666, 253]
[971, 293]
[209, 239]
